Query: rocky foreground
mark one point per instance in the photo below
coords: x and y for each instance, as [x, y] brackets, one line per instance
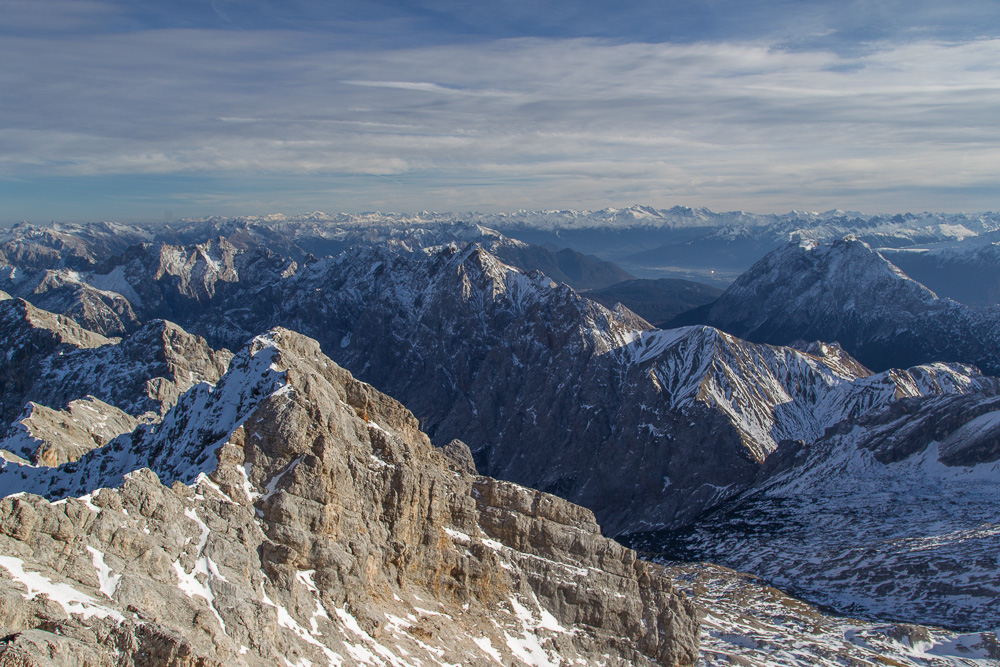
[293, 515]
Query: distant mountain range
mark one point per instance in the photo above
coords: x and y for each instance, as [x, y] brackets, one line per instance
[680, 242]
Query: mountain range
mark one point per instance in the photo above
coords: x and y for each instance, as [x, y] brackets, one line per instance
[775, 459]
[680, 242]
[846, 291]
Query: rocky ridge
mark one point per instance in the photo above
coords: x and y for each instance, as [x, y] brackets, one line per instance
[65, 291]
[847, 292]
[48, 437]
[458, 319]
[51, 360]
[295, 514]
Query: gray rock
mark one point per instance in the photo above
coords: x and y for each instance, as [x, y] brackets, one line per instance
[52, 361]
[327, 529]
[52, 437]
[460, 457]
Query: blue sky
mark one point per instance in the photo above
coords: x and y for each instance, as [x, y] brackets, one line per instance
[150, 110]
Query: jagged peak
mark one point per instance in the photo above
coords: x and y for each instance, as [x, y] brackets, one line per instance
[23, 314]
[179, 447]
[162, 333]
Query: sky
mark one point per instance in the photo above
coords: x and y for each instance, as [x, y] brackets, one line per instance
[137, 110]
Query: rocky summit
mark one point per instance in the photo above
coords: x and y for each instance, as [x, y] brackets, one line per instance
[293, 515]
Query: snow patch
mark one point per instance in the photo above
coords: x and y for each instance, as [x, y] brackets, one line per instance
[70, 599]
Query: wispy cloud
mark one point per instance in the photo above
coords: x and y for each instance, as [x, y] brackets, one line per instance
[426, 87]
[751, 124]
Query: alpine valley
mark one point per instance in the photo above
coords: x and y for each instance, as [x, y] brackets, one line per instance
[416, 440]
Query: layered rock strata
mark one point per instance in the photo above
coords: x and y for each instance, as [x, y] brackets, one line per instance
[294, 515]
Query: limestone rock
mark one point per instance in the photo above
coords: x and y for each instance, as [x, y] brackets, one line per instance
[323, 529]
[52, 437]
[460, 456]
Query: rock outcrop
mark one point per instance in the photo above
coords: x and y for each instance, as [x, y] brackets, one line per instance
[48, 437]
[294, 515]
[64, 291]
[52, 360]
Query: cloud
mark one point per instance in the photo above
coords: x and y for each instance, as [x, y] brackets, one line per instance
[426, 87]
[752, 122]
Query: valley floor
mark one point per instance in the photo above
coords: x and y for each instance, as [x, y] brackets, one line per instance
[746, 622]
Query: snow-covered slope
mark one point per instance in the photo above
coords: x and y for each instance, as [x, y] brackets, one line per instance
[747, 622]
[180, 447]
[893, 515]
[847, 292]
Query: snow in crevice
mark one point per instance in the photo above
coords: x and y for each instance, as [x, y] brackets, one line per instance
[272, 484]
[107, 581]
[197, 582]
[286, 620]
[371, 652]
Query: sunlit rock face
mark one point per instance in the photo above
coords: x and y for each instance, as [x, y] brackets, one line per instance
[294, 513]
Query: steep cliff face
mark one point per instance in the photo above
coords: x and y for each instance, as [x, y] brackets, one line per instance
[33, 335]
[298, 516]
